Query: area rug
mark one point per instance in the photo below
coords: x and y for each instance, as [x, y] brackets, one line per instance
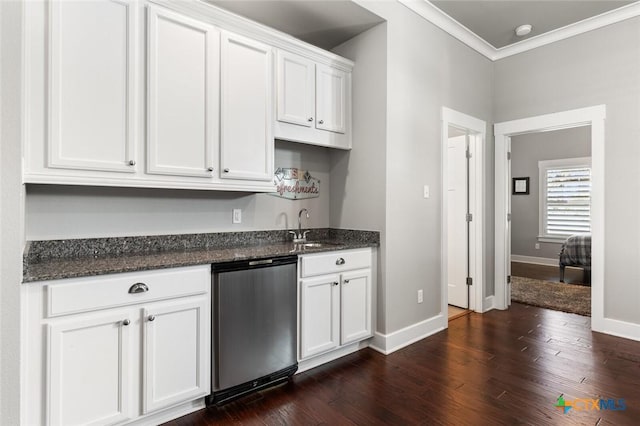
[557, 296]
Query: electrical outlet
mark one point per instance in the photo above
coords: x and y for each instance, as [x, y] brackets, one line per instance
[426, 191]
[237, 216]
[420, 298]
[537, 246]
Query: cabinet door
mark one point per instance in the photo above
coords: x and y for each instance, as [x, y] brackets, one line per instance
[176, 352]
[319, 315]
[331, 98]
[91, 83]
[89, 369]
[246, 146]
[183, 94]
[296, 87]
[355, 307]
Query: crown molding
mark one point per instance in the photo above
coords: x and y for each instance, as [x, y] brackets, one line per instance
[445, 22]
[428, 11]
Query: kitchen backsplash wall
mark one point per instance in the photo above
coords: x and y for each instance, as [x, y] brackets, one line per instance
[58, 212]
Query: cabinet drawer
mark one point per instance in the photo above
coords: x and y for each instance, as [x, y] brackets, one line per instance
[91, 293]
[335, 261]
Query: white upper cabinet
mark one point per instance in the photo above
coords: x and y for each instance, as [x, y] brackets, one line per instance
[331, 99]
[296, 89]
[183, 95]
[137, 93]
[91, 85]
[313, 101]
[246, 142]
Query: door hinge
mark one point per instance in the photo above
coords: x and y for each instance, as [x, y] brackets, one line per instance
[469, 217]
[469, 281]
[509, 155]
[468, 154]
[508, 217]
[508, 279]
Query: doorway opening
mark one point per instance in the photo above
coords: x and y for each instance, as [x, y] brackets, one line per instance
[594, 117]
[463, 194]
[550, 205]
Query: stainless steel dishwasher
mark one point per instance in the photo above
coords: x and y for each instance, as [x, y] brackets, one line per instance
[254, 326]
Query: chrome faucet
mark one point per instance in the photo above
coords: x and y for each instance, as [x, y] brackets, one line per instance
[300, 237]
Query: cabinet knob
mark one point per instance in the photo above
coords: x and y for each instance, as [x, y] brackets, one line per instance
[226, 170]
[151, 317]
[126, 322]
[310, 119]
[346, 281]
[138, 288]
[335, 283]
[340, 261]
[321, 122]
[132, 162]
[210, 169]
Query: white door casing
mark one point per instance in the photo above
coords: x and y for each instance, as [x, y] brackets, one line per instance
[590, 116]
[457, 223]
[477, 135]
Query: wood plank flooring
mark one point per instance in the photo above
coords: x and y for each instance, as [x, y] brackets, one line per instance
[499, 368]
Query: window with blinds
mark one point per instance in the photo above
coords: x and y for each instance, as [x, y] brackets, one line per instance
[565, 197]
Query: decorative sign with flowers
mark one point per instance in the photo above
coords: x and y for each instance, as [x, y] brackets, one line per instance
[295, 184]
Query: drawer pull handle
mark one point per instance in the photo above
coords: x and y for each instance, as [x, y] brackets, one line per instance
[346, 281]
[335, 283]
[340, 261]
[126, 322]
[138, 288]
[152, 317]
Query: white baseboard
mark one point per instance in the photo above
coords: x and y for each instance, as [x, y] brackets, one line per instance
[628, 330]
[170, 414]
[330, 356]
[388, 343]
[534, 260]
[487, 305]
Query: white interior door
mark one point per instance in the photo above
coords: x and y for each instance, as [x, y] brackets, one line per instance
[457, 259]
[508, 248]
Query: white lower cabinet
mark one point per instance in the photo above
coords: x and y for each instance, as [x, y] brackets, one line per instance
[175, 353]
[89, 369]
[335, 308]
[132, 355]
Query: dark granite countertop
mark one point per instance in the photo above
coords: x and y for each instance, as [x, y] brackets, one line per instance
[49, 260]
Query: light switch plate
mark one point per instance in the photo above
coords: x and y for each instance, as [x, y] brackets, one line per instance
[426, 191]
[237, 216]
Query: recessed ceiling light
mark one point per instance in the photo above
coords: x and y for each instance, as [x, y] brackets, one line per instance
[523, 30]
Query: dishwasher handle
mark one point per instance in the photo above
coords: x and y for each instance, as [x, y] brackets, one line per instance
[261, 262]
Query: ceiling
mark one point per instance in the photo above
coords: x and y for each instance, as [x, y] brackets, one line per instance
[488, 26]
[326, 23]
[495, 21]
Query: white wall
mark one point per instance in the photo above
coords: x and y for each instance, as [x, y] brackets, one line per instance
[11, 210]
[55, 212]
[426, 69]
[358, 184]
[598, 67]
[526, 151]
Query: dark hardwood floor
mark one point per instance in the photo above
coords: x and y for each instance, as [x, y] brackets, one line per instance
[498, 368]
[547, 273]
